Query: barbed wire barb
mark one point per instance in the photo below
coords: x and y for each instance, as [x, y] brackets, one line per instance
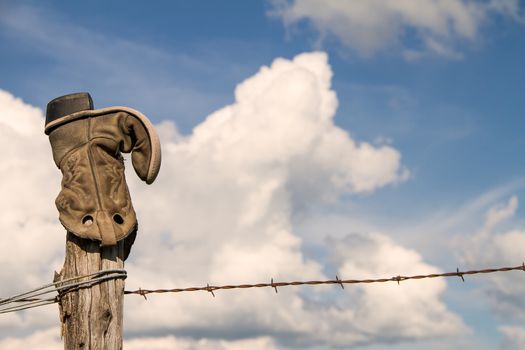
[141, 292]
[210, 289]
[274, 286]
[339, 281]
[460, 274]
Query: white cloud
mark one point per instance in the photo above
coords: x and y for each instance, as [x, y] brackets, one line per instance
[495, 248]
[514, 337]
[32, 240]
[233, 185]
[498, 240]
[377, 308]
[173, 343]
[417, 28]
[490, 248]
[49, 339]
[500, 213]
[220, 212]
[31, 236]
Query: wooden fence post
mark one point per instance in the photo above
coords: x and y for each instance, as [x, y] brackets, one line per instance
[92, 316]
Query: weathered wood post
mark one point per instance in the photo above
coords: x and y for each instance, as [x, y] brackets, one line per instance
[95, 208]
[92, 317]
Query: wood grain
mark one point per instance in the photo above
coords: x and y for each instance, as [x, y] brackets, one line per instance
[92, 317]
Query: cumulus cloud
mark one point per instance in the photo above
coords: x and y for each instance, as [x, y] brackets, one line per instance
[376, 309]
[32, 239]
[418, 28]
[490, 247]
[221, 212]
[233, 185]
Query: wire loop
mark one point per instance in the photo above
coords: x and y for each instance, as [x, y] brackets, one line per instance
[32, 298]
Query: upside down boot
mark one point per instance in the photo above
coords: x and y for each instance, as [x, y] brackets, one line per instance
[87, 143]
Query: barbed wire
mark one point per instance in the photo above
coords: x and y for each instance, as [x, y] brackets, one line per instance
[399, 278]
[31, 299]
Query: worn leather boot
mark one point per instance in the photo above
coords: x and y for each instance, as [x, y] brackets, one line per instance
[87, 143]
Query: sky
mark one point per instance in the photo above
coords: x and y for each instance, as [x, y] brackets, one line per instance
[301, 139]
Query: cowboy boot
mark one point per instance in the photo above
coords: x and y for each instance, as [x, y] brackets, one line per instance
[87, 143]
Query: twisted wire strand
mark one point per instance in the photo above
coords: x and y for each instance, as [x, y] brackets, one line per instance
[29, 305]
[32, 298]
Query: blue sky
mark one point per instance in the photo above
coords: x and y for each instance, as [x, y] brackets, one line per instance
[470, 106]
[446, 93]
